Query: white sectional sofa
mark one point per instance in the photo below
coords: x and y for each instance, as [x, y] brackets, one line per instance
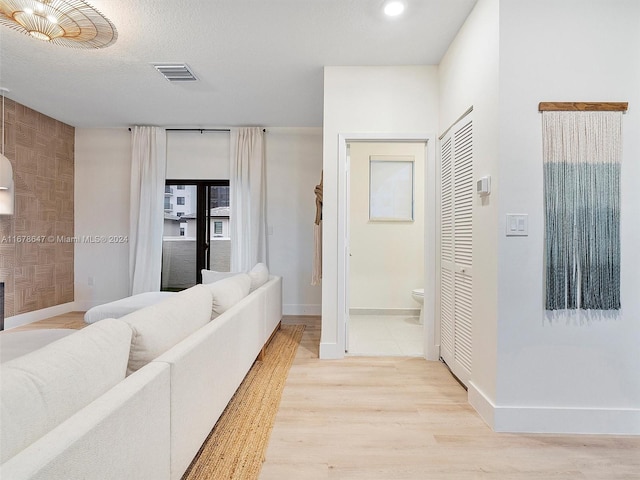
[134, 397]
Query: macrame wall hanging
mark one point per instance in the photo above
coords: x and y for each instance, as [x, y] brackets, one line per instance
[582, 152]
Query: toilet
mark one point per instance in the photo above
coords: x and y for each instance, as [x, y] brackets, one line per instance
[418, 295]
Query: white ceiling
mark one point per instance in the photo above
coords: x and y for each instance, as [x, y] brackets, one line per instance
[259, 62]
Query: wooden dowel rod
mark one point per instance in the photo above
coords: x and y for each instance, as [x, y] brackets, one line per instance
[583, 106]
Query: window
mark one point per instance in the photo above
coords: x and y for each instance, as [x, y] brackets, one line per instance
[167, 203]
[195, 235]
[219, 196]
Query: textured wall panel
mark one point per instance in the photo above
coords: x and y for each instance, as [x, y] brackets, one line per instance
[37, 270]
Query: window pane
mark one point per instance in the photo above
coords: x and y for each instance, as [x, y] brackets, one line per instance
[179, 238]
[219, 196]
[219, 241]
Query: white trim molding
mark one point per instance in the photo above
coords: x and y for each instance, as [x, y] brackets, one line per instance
[36, 315]
[331, 351]
[432, 351]
[559, 420]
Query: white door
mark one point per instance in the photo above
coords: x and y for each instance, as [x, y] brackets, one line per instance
[456, 235]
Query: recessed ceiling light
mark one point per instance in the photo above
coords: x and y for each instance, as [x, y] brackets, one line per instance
[393, 8]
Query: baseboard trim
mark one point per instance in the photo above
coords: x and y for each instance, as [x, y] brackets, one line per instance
[330, 351]
[482, 404]
[413, 312]
[558, 420]
[84, 305]
[36, 315]
[603, 421]
[296, 309]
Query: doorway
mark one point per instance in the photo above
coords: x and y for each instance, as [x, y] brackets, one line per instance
[386, 248]
[428, 337]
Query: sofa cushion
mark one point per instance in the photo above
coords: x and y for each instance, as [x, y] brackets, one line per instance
[210, 276]
[259, 275]
[159, 327]
[227, 292]
[41, 389]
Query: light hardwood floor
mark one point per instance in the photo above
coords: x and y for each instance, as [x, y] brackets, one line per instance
[68, 320]
[394, 418]
[405, 418]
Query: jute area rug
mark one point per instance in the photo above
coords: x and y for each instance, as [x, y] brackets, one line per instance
[236, 446]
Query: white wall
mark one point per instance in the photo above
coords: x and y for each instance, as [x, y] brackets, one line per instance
[193, 155]
[468, 77]
[294, 166]
[386, 258]
[294, 163]
[565, 374]
[385, 100]
[102, 176]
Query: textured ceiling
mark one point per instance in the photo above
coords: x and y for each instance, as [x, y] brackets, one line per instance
[259, 62]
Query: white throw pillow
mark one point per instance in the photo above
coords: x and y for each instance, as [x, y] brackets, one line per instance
[259, 275]
[227, 292]
[210, 276]
[159, 327]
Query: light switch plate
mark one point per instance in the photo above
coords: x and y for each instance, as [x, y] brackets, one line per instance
[517, 224]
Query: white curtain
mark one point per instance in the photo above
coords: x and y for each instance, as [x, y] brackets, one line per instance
[247, 199]
[148, 167]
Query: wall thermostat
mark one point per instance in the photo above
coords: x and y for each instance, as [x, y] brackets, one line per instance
[483, 186]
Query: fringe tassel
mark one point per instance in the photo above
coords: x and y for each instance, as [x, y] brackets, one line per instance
[316, 274]
[582, 152]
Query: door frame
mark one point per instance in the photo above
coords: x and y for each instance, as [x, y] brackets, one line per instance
[431, 339]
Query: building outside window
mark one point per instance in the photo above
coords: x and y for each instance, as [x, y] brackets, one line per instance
[196, 231]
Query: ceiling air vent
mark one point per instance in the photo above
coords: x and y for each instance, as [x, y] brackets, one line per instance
[175, 72]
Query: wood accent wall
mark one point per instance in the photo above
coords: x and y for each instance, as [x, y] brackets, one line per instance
[36, 267]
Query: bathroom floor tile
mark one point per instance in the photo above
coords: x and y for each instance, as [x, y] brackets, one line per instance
[385, 335]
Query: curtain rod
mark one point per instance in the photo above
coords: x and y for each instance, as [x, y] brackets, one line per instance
[201, 130]
[583, 106]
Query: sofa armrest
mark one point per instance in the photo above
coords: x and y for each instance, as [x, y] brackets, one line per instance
[273, 305]
[122, 434]
[206, 369]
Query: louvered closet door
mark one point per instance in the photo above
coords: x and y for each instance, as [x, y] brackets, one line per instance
[456, 249]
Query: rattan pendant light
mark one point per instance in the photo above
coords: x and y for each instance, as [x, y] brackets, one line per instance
[71, 23]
